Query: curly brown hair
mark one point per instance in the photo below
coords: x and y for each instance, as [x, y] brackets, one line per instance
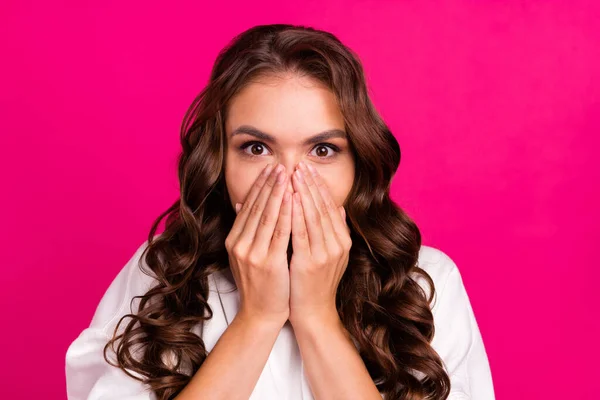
[379, 300]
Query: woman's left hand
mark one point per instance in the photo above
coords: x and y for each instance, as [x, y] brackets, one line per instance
[321, 245]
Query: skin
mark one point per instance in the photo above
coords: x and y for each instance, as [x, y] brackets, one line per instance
[319, 175]
[291, 109]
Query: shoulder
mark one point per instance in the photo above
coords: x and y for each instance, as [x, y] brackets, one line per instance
[457, 339]
[133, 279]
[88, 375]
[440, 267]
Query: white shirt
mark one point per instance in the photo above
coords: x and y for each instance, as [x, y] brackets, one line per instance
[457, 338]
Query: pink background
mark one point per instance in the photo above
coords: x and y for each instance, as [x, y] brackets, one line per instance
[495, 105]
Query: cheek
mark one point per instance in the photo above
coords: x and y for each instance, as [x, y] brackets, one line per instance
[339, 184]
[238, 182]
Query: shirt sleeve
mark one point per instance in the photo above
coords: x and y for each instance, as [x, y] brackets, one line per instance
[88, 375]
[458, 341]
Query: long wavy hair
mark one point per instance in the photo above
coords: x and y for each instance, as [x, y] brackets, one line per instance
[379, 300]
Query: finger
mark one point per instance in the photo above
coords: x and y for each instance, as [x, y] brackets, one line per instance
[311, 215]
[242, 216]
[255, 213]
[336, 217]
[300, 241]
[323, 208]
[270, 215]
[344, 221]
[283, 229]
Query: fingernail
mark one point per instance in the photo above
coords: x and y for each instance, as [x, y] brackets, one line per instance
[312, 169]
[299, 175]
[237, 207]
[280, 177]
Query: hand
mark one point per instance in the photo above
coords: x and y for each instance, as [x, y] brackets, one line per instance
[321, 243]
[258, 263]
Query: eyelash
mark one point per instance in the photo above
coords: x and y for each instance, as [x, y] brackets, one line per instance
[244, 146]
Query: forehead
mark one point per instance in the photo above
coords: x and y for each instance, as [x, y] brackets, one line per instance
[285, 107]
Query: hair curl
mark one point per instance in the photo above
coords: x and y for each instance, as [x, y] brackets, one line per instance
[385, 310]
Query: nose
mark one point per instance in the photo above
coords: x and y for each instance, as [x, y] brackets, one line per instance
[290, 167]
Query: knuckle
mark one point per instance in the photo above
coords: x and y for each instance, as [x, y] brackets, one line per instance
[256, 209]
[332, 204]
[258, 184]
[265, 219]
[254, 259]
[347, 244]
[314, 218]
[317, 219]
[279, 233]
[322, 187]
[321, 260]
[271, 181]
[337, 252]
[237, 251]
[301, 234]
[324, 208]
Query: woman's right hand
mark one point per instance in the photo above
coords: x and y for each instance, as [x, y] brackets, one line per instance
[257, 247]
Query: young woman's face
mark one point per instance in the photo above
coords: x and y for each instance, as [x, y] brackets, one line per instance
[278, 121]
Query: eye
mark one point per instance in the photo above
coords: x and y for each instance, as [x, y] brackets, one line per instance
[325, 150]
[321, 150]
[255, 148]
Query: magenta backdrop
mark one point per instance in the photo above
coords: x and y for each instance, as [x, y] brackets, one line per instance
[495, 105]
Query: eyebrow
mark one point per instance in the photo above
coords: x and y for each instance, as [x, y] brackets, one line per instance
[328, 134]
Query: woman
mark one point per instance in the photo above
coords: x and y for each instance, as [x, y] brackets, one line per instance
[285, 271]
